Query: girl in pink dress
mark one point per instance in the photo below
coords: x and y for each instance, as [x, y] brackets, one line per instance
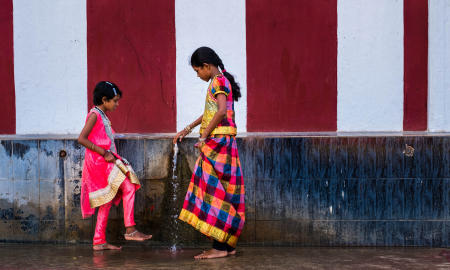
[107, 177]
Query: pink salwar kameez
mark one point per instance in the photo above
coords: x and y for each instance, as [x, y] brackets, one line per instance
[104, 183]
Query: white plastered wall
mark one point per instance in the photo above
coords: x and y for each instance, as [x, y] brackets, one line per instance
[219, 25]
[370, 65]
[50, 66]
[439, 65]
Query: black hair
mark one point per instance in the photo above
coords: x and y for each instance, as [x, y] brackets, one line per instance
[205, 55]
[105, 89]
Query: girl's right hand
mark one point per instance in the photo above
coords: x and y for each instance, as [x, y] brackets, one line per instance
[109, 157]
[180, 135]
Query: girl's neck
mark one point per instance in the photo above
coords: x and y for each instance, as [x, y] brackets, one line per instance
[214, 72]
[101, 107]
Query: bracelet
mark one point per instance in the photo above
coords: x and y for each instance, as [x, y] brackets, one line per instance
[92, 146]
[201, 139]
[107, 151]
[188, 129]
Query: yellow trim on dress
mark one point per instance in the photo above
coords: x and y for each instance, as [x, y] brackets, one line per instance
[224, 131]
[207, 229]
[220, 92]
[115, 179]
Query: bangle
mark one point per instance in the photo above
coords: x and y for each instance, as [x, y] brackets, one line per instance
[201, 139]
[92, 146]
[188, 129]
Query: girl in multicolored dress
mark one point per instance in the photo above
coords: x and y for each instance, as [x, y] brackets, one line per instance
[107, 177]
[214, 203]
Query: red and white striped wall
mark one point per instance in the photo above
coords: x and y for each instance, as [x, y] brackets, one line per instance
[322, 65]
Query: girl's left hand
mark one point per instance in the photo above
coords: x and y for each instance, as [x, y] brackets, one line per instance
[199, 144]
[109, 157]
[179, 136]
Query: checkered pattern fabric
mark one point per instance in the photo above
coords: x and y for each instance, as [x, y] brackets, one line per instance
[215, 201]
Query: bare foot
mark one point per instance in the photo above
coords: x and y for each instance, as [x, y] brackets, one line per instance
[232, 252]
[137, 236]
[211, 254]
[105, 246]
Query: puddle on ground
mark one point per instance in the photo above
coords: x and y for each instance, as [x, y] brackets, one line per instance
[48, 256]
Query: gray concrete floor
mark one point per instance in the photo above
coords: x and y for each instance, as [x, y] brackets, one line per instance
[47, 256]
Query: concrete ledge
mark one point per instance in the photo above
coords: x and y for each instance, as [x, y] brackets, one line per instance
[240, 135]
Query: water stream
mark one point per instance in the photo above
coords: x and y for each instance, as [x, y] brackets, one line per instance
[174, 233]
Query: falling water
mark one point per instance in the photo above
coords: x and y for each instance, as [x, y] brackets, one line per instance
[174, 238]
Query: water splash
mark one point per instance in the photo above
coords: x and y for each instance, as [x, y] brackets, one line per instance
[173, 248]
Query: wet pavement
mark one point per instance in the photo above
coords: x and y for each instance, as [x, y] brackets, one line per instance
[48, 256]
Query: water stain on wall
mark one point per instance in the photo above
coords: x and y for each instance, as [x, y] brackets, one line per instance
[6, 214]
[7, 146]
[20, 149]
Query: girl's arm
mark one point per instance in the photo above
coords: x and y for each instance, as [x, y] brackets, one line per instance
[84, 141]
[197, 122]
[180, 135]
[220, 114]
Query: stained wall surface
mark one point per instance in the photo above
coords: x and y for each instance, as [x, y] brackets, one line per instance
[315, 190]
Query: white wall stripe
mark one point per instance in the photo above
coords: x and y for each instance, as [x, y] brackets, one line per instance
[439, 65]
[370, 65]
[221, 26]
[50, 66]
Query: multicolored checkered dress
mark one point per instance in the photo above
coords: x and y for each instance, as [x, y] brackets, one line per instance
[215, 200]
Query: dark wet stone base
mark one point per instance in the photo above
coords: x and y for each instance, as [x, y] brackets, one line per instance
[300, 190]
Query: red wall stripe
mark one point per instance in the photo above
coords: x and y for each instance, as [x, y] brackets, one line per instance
[291, 65]
[416, 64]
[7, 92]
[132, 43]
